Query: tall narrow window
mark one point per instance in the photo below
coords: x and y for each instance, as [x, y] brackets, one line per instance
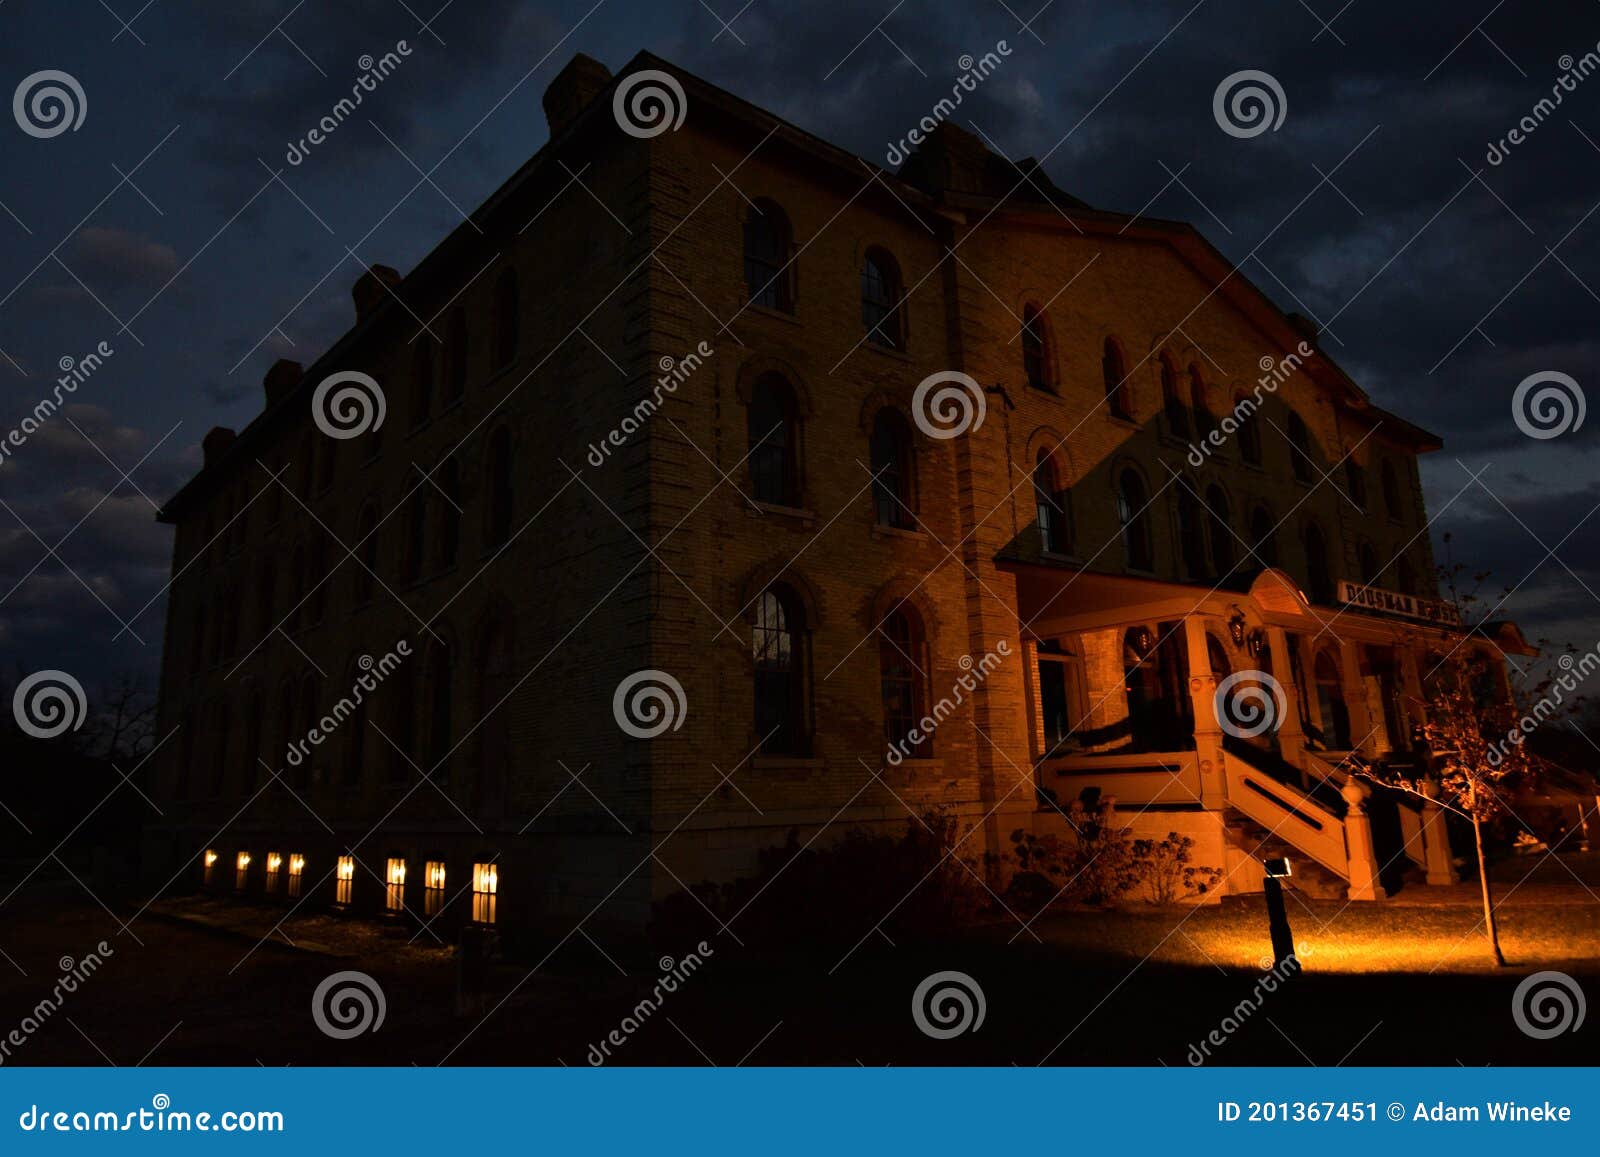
[891, 469]
[880, 300]
[1221, 530]
[1369, 564]
[1249, 433]
[422, 381]
[455, 352]
[1263, 539]
[485, 892]
[416, 532]
[766, 258]
[355, 743]
[1299, 448]
[1191, 534]
[1172, 401]
[433, 888]
[1356, 479]
[306, 775]
[317, 594]
[507, 318]
[778, 649]
[1131, 513]
[1114, 371]
[449, 504]
[1036, 360]
[266, 591]
[401, 710]
[441, 732]
[366, 554]
[1406, 575]
[1391, 491]
[500, 505]
[1204, 423]
[1050, 507]
[1319, 577]
[903, 680]
[344, 880]
[774, 434]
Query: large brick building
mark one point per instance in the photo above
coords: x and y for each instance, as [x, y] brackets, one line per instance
[655, 408]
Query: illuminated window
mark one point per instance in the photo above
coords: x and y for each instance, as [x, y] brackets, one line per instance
[241, 873]
[297, 871]
[433, 887]
[395, 898]
[344, 880]
[485, 884]
[274, 863]
[210, 862]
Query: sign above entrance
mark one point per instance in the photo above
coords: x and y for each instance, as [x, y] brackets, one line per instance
[1394, 603]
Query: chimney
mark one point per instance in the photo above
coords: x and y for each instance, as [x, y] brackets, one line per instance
[372, 287]
[215, 444]
[571, 91]
[280, 379]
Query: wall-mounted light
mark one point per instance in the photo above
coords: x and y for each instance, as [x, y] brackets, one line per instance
[1236, 626]
[1257, 641]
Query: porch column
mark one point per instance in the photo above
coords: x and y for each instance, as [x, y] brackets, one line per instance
[1203, 696]
[1411, 685]
[1362, 732]
[1436, 839]
[1031, 695]
[1291, 740]
[1364, 883]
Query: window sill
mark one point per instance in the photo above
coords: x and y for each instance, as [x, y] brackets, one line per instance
[768, 311]
[786, 763]
[1121, 420]
[1057, 556]
[1048, 391]
[880, 530]
[888, 351]
[806, 518]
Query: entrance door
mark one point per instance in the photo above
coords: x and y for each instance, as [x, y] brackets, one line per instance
[1330, 701]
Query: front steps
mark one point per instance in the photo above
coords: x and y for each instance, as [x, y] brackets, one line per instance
[1310, 878]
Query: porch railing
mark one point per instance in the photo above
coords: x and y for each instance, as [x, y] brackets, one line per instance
[1160, 777]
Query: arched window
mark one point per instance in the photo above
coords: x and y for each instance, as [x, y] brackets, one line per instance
[507, 318]
[1114, 371]
[1406, 575]
[355, 744]
[416, 531]
[252, 757]
[1051, 507]
[773, 426]
[778, 647]
[1172, 406]
[1191, 536]
[1249, 433]
[401, 709]
[767, 241]
[1204, 423]
[1369, 564]
[455, 351]
[1391, 491]
[448, 546]
[1220, 527]
[441, 732]
[1036, 352]
[422, 381]
[903, 680]
[880, 300]
[219, 762]
[1299, 447]
[1263, 538]
[500, 506]
[287, 722]
[310, 705]
[1131, 513]
[892, 488]
[1356, 479]
[493, 727]
[1319, 576]
[366, 553]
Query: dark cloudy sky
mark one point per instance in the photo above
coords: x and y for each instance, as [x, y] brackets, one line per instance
[1445, 280]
